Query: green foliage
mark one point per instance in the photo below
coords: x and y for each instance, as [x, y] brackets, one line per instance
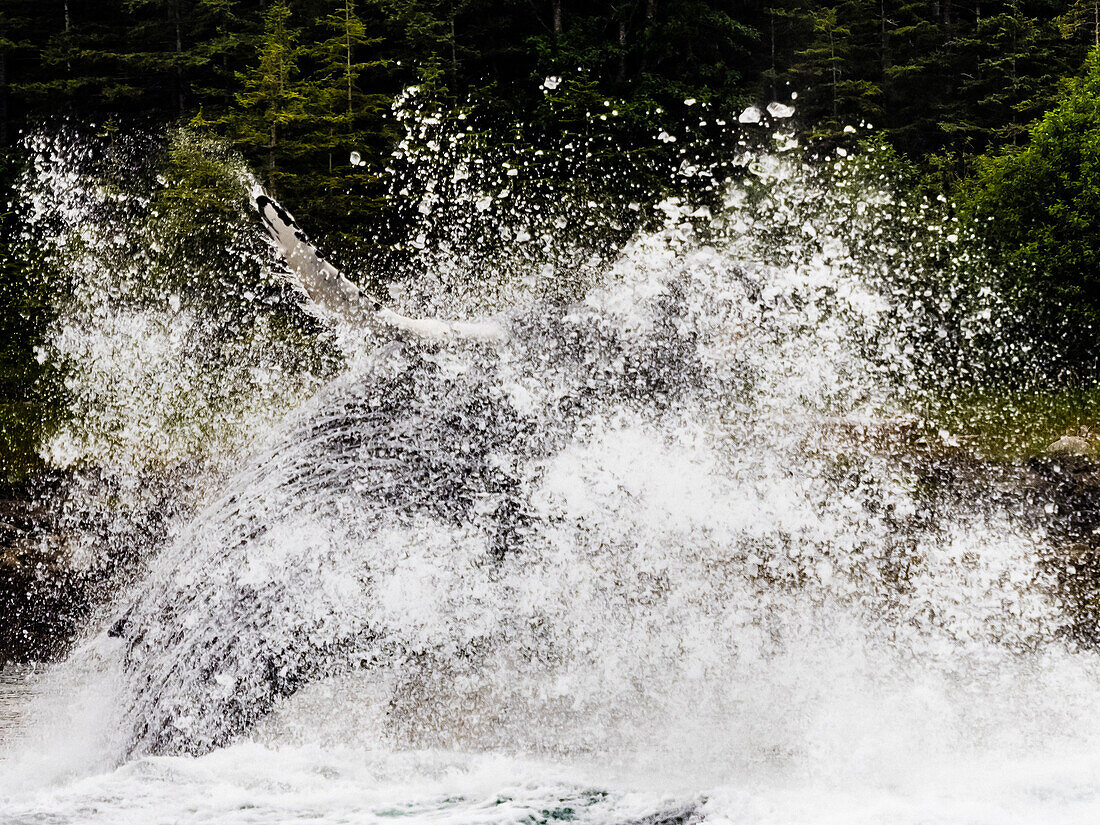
[197, 213]
[201, 196]
[1040, 206]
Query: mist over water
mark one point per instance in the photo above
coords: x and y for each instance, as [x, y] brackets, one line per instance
[651, 559]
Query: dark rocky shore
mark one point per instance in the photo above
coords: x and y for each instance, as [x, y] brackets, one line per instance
[50, 582]
[42, 595]
[60, 557]
[1065, 495]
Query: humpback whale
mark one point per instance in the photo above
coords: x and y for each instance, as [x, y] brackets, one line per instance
[435, 443]
[332, 296]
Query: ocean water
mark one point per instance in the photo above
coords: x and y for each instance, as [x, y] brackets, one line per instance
[892, 776]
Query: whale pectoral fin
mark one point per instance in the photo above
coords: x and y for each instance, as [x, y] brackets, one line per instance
[332, 296]
[329, 292]
[434, 329]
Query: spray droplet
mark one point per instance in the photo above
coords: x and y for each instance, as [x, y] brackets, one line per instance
[750, 115]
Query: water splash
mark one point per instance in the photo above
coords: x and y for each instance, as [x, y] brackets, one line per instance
[650, 528]
[172, 350]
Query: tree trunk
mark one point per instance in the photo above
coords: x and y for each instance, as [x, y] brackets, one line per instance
[832, 60]
[179, 58]
[347, 32]
[3, 98]
[775, 72]
[884, 43]
[557, 13]
[68, 28]
[647, 35]
[283, 72]
[454, 55]
[621, 74]
[1012, 76]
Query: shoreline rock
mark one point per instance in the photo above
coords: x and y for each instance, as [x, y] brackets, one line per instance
[50, 583]
[41, 597]
[1082, 443]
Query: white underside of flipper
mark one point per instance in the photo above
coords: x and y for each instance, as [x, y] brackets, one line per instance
[334, 298]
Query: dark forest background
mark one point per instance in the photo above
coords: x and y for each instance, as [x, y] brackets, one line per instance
[990, 102]
[294, 83]
[291, 80]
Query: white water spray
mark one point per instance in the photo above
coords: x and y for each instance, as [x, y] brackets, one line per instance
[630, 564]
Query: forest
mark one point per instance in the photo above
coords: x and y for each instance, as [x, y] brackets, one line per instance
[991, 103]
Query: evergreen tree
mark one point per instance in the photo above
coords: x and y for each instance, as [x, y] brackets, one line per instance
[156, 39]
[227, 32]
[88, 63]
[694, 48]
[832, 71]
[342, 110]
[341, 116]
[1017, 71]
[427, 32]
[1081, 18]
[271, 103]
[7, 45]
[909, 41]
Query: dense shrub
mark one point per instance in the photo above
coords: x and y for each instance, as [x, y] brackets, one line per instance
[1039, 206]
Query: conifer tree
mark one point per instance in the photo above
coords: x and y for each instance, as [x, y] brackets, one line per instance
[1081, 18]
[226, 32]
[909, 41]
[156, 37]
[6, 47]
[693, 48]
[833, 68]
[341, 115]
[271, 103]
[1017, 70]
[428, 31]
[341, 108]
